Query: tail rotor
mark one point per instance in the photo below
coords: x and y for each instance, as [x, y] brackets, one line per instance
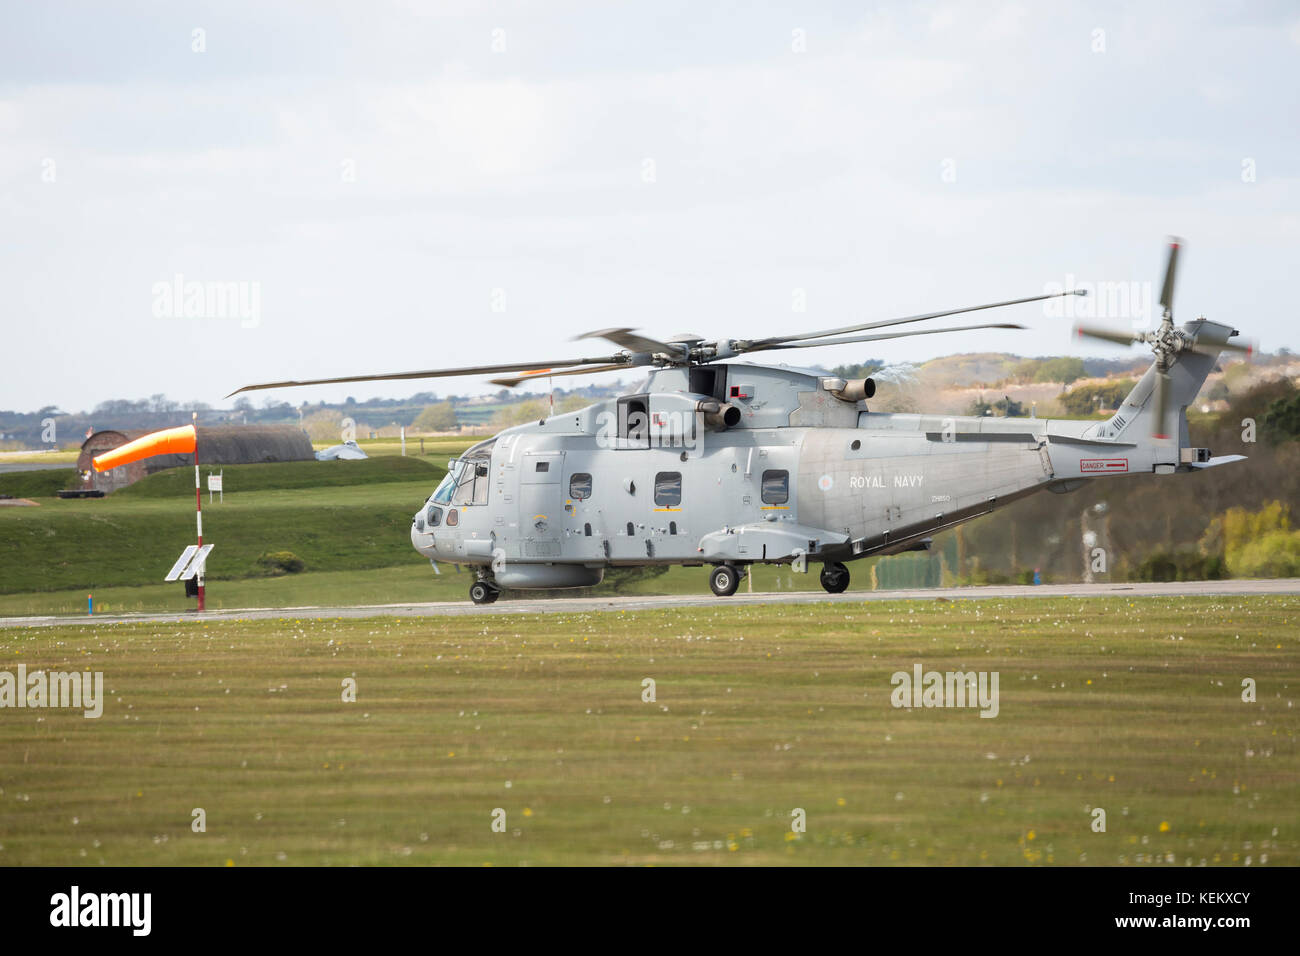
[1166, 342]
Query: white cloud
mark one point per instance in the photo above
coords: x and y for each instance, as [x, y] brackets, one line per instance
[775, 171]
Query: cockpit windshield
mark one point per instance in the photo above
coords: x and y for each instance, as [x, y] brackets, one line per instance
[442, 494]
[466, 482]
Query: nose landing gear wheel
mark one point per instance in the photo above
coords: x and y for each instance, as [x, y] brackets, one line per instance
[835, 577]
[480, 592]
[724, 580]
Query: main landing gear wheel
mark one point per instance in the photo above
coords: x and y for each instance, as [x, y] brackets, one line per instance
[480, 592]
[724, 580]
[835, 577]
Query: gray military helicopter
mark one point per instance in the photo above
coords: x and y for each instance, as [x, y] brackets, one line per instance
[726, 464]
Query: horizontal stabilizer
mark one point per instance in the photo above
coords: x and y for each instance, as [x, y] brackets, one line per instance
[1217, 460]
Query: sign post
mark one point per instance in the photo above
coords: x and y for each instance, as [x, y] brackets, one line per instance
[198, 502]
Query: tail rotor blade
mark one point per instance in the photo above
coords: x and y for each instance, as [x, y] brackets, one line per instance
[1107, 335]
[1158, 428]
[1171, 269]
[1210, 348]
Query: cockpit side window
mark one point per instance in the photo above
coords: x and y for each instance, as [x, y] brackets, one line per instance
[481, 476]
[472, 482]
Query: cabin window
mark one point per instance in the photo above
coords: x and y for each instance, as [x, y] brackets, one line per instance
[668, 489]
[453, 517]
[586, 529]
[672, 527]
[580, 486]
[542, 466]
[776, 487]
[630, 530]
[433, 516]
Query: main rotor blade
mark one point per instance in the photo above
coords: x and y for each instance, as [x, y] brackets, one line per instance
[757, 344]
[1107, 335]
[440, 373]
[844, 340]
[548, 373]
[1171, 268]
[632, 341]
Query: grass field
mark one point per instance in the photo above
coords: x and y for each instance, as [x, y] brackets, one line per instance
[410, 583]
[1130, 706]
[37, 484]
[333, 515]
[348, 521]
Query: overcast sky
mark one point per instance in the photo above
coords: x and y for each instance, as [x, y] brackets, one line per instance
[411, 185]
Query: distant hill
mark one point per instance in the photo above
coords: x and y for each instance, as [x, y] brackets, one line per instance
[973, 369]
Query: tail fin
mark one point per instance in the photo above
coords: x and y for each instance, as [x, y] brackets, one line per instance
[1187, 373]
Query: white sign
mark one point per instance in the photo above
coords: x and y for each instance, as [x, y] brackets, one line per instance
[190, 563]
[214, 484]
[182, 563]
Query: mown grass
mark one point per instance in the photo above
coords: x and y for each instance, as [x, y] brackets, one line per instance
[127, 540]
[411, 582]
[1130, 706]
[176, 483]
[45, 483]
[349, 521]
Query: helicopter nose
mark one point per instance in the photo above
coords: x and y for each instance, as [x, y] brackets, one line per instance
[421, 538]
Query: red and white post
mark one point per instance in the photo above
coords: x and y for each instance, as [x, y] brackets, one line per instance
[198, 504]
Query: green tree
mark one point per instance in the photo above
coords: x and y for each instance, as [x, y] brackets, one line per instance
[571, 403]
[530, 410]
[326, 424]
[1089, 398]
[1255, 543]
[1282, 420]
[1063, 370]
[1004, 407]
[862, 370]
[435, 418]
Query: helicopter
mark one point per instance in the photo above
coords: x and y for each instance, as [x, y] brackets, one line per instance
[726, 464]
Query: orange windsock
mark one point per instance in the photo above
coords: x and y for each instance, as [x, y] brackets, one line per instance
[169, 441]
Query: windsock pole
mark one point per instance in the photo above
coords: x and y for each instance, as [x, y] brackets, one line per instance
[168, 441]
[198, 502]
